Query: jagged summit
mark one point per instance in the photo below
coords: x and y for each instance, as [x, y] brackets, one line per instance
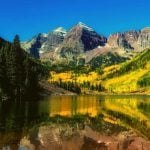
[84, 26]
[44, 35]
[60, 30]
[81, 38]
[146, 29]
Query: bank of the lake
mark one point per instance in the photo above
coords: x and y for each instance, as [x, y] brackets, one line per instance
[52, 89]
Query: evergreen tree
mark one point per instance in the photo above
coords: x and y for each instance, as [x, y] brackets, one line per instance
[15, 66]
[2, 70]
[19, 72]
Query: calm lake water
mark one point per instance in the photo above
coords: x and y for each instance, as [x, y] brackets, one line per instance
[17, 117]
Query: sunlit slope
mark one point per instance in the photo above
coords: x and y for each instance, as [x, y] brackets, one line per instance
[92, 77]
[132, 76]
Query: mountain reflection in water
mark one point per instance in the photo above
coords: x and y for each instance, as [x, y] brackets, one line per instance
[131, 112]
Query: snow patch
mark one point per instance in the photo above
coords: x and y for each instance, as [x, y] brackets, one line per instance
[44, 35]
[60, 30]
[41, 52]
[82, 25]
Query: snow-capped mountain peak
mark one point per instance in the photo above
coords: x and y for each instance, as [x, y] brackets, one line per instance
[82, 25]
[44, 35]
[60, 30]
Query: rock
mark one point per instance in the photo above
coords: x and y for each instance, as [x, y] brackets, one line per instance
[54, 38]
[42, 43]
[126, 40]
[136, 40]
[82, 42]
[144, 38]
[82, 38]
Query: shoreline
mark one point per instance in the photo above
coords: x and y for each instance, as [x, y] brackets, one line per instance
[51, 89]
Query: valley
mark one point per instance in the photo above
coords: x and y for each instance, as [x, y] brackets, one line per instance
[75, 75]
[83, 61]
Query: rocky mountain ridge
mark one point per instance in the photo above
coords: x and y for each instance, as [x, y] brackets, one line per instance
[81, 41]
[42, 43]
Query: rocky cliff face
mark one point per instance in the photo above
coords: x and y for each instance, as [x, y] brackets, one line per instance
[83, 38]
[37, 44]
[83, 42]
[135, 40]
[54, 38]
[144, 38]
[44, 42]
[126, 40]
[34, 45]
[76, 43]
[79, 40]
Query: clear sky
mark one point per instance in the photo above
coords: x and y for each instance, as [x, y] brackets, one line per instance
[29, 17]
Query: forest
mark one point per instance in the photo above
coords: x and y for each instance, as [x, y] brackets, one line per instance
[19, 72]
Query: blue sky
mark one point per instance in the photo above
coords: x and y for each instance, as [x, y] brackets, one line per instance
[29, 17]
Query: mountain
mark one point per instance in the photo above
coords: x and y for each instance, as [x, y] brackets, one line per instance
[82, 42]
[54, 38]
[144, 38]
[131, 40]
[34, 45]
[82, 38]
[126, 40]
[44, 42]
[79, 40]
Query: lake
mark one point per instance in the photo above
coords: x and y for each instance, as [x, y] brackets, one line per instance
[128, 112]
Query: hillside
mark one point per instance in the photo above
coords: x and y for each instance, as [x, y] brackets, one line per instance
[132, 76]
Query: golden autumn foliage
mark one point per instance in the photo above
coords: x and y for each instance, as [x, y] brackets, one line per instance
[124, 77]
[92, 77]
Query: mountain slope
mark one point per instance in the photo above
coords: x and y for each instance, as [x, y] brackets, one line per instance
[131, 76]
[82, 38]
[107, 59]
[131, 40]
[82, 42]
[42, 43]
[76, 43]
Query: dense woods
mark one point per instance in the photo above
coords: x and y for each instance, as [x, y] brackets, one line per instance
[19, 72]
